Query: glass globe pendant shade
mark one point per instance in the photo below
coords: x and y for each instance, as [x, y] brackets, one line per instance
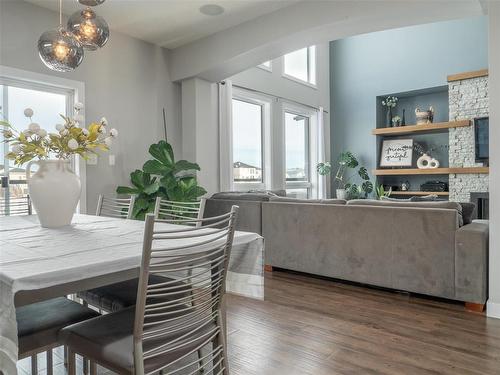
[91, 3]
[60, 50]
[91, 30]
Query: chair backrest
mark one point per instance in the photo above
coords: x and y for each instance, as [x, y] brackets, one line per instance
[185, 308]
[171, 210]
[115, 207]
[16, 206]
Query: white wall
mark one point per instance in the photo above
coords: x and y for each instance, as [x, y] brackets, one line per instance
[127, 81]
[493, 308]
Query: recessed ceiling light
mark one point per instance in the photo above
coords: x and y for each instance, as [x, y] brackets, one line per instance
[211, 9]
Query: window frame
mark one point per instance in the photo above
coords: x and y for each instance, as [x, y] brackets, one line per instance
[74, 90]
[264, 102]
[266, 68]
[312, 147]
[309, 70]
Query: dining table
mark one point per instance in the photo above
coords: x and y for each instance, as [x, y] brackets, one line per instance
[38, 264]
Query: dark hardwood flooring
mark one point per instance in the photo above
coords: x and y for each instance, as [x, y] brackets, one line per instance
[313, 326]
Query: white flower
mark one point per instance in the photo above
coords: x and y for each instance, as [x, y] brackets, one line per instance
[104, 122]
[59, 127]
[41, 133]
[78, 106]
[16, 149]
[102, 130]
[78, 118]
[64, 132]
[73, 144]
[113, 132]
[28, 112]
[85, 132]
[108, 141]
[34, 127]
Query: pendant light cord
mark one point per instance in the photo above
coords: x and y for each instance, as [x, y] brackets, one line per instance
[60, 13]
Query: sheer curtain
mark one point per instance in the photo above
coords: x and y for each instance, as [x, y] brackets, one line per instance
[321, 142]
[225, 136]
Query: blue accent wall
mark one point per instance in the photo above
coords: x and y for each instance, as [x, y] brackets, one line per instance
[394, 61]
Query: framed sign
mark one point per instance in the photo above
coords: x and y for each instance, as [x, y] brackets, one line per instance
[396, 153]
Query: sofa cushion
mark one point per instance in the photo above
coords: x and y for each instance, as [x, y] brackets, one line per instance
[242, 196]
[431, 204]
[297, 200]
[468, 212]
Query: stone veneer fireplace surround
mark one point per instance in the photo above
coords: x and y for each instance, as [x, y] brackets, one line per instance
[468, 99]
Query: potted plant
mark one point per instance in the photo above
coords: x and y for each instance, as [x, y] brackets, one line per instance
[162, 177]
[54, 189]
[346, 189]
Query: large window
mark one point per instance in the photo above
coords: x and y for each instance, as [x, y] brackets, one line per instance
[247, 141]
[301, 65]
[297, 164]
[47, 103]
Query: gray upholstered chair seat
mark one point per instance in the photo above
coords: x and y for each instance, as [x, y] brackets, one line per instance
[38, 324]
[117, 296]
[108, 340]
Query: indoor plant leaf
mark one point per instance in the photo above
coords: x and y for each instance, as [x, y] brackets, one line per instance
[363, 173]
[156, 167]
[162, 151]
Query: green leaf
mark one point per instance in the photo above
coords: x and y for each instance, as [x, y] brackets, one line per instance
[5, 123]
[156, 167]
[125, 190]
[367, 187]
[137, 177]
[152, 188]
[184, 165]
[348, 159]
[162, 151]
[363, 173]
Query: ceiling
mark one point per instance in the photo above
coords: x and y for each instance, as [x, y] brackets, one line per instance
[172, 23]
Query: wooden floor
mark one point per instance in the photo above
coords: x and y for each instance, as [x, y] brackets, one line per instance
[313, 326]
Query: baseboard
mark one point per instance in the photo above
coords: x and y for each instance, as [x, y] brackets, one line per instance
[493, 310]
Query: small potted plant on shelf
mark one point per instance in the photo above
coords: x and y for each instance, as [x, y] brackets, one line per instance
[390, 102]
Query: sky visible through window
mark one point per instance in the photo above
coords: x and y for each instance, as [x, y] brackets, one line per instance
[247, 133]
[296, 158]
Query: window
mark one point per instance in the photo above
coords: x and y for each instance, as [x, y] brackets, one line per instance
[297, 162]
[47, 103]
[266, 65]
[247, 141]
[301, 65]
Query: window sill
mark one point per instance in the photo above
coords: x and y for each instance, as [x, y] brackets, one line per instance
[297, 80]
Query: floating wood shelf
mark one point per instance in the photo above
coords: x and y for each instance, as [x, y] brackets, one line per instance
[426, 128]
[440, 193]
[415, 171]
[468, 75]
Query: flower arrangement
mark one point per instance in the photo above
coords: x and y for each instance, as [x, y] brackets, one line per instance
[396, 121]
[390, 102]
[70, 138]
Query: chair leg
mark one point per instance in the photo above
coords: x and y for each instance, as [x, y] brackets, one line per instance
[34, 365]
[71, 362]
[223, 334]
[93, 368]
[50, 363]
[200, 361]
[65, 356]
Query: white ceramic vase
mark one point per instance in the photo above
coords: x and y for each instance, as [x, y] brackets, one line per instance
[55, 191]
[341, 194]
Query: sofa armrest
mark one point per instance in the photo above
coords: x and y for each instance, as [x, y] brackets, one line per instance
[471, 263]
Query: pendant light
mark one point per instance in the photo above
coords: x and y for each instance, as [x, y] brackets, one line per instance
[91, 30]
[59, 49]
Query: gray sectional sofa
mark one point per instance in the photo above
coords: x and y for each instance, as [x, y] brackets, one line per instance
[422, 247]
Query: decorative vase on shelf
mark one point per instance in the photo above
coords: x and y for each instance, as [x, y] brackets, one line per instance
[403, 119]
[55, 191]
[389, 117]
[424, 161]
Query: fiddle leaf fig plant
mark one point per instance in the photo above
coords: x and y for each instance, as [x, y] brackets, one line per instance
[162, 177]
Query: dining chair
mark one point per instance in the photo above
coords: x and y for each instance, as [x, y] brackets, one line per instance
[120, 295]
[120, 208]
[166, 209]
[16, 206]
[166, 328]
[38, 325]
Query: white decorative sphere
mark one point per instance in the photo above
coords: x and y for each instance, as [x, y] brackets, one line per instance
[73, 144]
[113, 132]
[28, 112]
[85, 132]
[78, 106]
[104, 121]
[34, 127]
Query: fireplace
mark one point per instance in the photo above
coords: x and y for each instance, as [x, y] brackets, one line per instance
[482, 201]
